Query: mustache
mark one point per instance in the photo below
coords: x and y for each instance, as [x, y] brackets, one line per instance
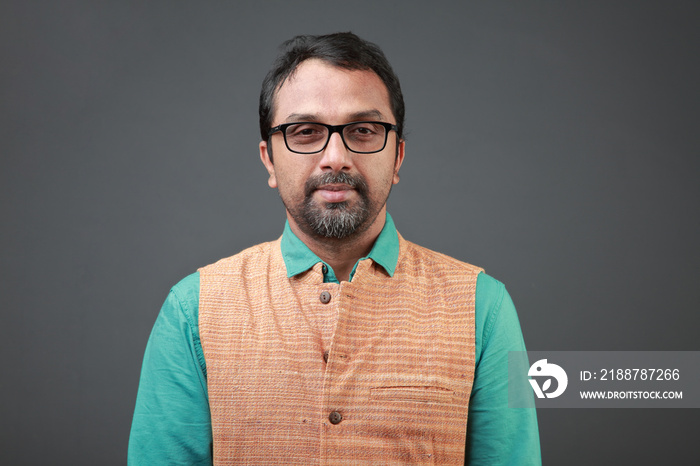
[356, 182]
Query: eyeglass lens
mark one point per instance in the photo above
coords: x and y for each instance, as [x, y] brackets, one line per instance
[358, 137]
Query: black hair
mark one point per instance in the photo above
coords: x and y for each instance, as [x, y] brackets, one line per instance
[342, 49]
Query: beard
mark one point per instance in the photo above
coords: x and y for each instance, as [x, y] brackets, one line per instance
[334, 219]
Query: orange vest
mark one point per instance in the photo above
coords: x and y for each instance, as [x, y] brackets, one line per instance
[392, 387]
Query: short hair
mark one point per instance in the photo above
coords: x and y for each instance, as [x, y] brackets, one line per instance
[342, 49]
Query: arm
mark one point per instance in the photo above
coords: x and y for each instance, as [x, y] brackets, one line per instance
[497, 434]
[172, 423]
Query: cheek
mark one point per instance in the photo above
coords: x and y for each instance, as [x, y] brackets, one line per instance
[290, 183]
[383, 176]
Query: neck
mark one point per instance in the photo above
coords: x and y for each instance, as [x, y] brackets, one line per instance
[342, 254]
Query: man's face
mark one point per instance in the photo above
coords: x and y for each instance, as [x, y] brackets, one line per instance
[335, 193]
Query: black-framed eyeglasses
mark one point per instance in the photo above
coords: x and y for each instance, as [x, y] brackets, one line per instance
[362, 137]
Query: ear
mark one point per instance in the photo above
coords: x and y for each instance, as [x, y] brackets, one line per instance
[400, 152]
[269, 166]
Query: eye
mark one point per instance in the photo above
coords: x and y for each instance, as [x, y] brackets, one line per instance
[305, 130]
[367, 128]
[364, 131]
[306, 137]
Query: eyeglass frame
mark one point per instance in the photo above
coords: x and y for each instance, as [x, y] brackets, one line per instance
[388, 127]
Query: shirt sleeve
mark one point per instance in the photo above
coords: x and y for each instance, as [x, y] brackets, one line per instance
[497, 434]
[172, 423]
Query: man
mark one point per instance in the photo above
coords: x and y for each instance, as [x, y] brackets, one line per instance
[340, 342]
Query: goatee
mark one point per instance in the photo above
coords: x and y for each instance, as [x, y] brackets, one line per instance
[334, 219]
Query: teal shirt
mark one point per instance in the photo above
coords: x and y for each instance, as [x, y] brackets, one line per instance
[172, 423]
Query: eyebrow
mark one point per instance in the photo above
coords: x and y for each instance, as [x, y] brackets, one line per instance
[357, 116]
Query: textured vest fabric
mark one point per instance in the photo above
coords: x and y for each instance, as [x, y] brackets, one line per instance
[399, 370]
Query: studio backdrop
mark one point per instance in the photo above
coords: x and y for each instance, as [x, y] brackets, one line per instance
[553, 143]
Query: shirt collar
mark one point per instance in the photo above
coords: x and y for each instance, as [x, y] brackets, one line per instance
[299, 258]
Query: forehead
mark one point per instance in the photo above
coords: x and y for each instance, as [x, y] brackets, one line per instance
[331, 94]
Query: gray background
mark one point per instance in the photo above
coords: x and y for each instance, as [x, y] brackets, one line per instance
[554, 143]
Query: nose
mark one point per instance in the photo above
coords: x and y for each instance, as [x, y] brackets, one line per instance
[336, 157]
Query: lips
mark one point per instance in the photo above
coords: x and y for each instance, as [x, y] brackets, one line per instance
[335, 188]
[335, 192]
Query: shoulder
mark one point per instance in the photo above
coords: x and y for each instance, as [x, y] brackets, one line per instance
[183, 299]
[244, 259]
[491, 300]
[489, 292]
[415, 256]
[497, 323]
[185, 295]
[187, 288]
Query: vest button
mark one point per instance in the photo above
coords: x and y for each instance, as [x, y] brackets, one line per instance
[324, 269]
[325, 297]
[325, 356]
[335, 417]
